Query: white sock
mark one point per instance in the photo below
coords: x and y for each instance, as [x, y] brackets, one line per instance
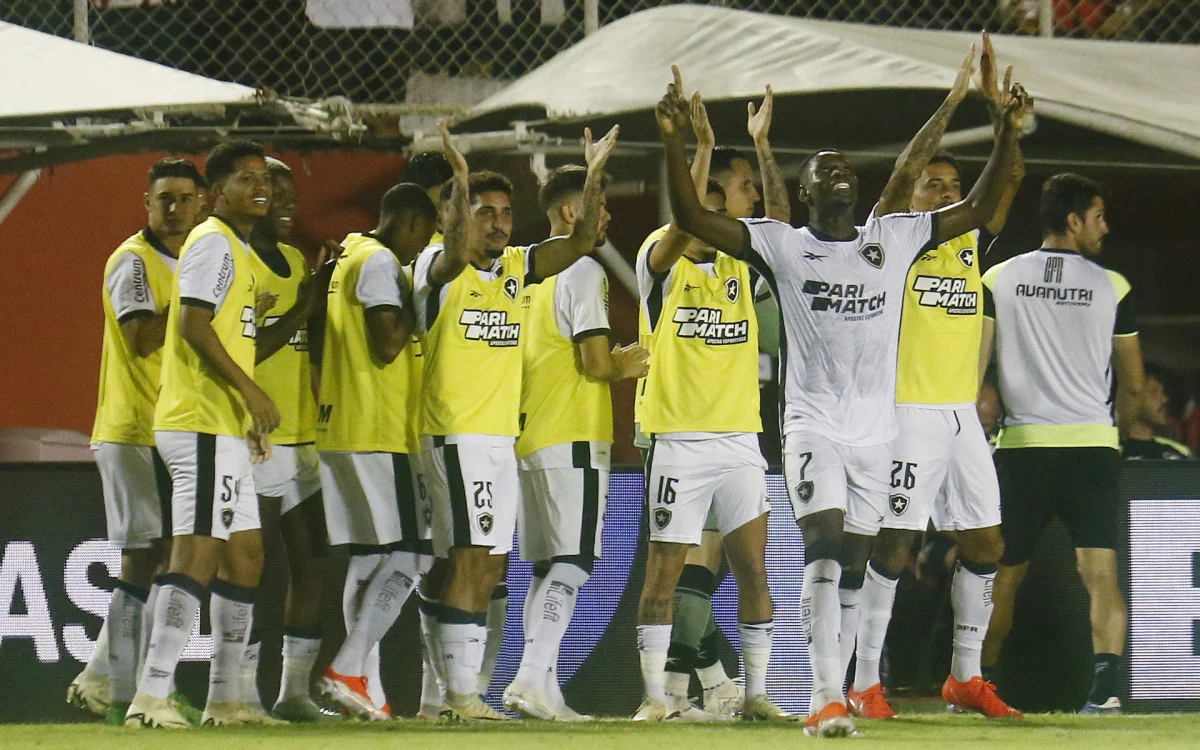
[147, 625]
[820, 603]
[712, 675]
[358, 575]
[653, 642]
[497, 617]
[249, 676]
[373, 671]
[849, 600]
[174, 613]
[551, 614]
[527, 621]
[100, 663]
[462, 655]
[878, 595]
[676, 684]
[125, 613]
[231, 613]
[433, 680]
[382, 600]
[756, 655]
[299, 657]
[971, 595]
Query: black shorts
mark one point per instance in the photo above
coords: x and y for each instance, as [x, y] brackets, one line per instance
[1079, 485]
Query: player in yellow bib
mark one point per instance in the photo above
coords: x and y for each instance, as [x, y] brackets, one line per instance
[288, 483]
[565, 444]
[367, 436]
[210, 422]
[467, 295]
[137, 496]
[941, 461]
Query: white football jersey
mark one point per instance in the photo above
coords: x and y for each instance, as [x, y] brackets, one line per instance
[840, 304]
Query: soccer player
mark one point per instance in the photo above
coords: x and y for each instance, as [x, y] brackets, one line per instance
[941, 461]
[431, 171]
[695, 638]
[367, 435]
[839, 288]
[210, 422]
[468, 296]
[1143, 440]
[1060, 323]
[565, 444]
[700, 404]
[136, 292]
[289, 482]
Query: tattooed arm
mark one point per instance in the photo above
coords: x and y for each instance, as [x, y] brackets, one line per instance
[775, 195]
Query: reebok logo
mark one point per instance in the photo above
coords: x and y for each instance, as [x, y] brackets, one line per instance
[491, 326]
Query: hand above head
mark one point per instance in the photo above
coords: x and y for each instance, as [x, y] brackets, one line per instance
[962, 82]
[596, 154]
[705, 138]
[458, 162]
[758, 123]
[673, 111]
[987, 83]
[1019, 108]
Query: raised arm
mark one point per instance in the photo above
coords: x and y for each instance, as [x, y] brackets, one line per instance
[667, 251]
[998, 98]
[274, 337]
[710, 227]
[775, 195]
[980, 205]
[897, 194]
[454, 256]
[556, 255]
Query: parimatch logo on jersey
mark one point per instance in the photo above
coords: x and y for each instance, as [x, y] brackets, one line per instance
[848, 299]
[491, 326]
[950, 294]
[708, 324]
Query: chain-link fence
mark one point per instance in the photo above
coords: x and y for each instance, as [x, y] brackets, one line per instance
[414, 51]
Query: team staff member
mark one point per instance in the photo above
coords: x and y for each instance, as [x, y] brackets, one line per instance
[210, 422]
[467, 300]
[1060, 322]
[565, 443]
[1143, 440]
[368, 439]
[941, 461]
[136, 291]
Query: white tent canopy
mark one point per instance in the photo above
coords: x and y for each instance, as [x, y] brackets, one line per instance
[48, 75]
[1144, 93]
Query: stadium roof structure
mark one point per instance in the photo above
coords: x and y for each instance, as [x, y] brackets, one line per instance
[856, 87]
[64, 101]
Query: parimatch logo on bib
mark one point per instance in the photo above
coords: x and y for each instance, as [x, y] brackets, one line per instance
[491, 326]
[706, 323]
[949, 294]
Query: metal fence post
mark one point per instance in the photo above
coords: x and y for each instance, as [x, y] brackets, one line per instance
[1046, 18]
[82, 32]
[591, 16]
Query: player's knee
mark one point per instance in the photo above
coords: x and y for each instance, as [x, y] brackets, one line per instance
[982, 546]
[817, 547]
[1098, 576]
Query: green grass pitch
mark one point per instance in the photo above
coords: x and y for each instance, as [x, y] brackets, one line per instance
[914, 731]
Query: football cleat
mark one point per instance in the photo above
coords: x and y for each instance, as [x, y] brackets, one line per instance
[831, 721]
[529, 701]
[682, 710]
[870, 703]
[116, 713]
[977, 696]
[185, 708]
[760, 708]
[154, 713]
[1110, 706]
[652, 710]
[298, 711]
[350, 694]
[469, 708]
[91, 692]
[724, 699]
